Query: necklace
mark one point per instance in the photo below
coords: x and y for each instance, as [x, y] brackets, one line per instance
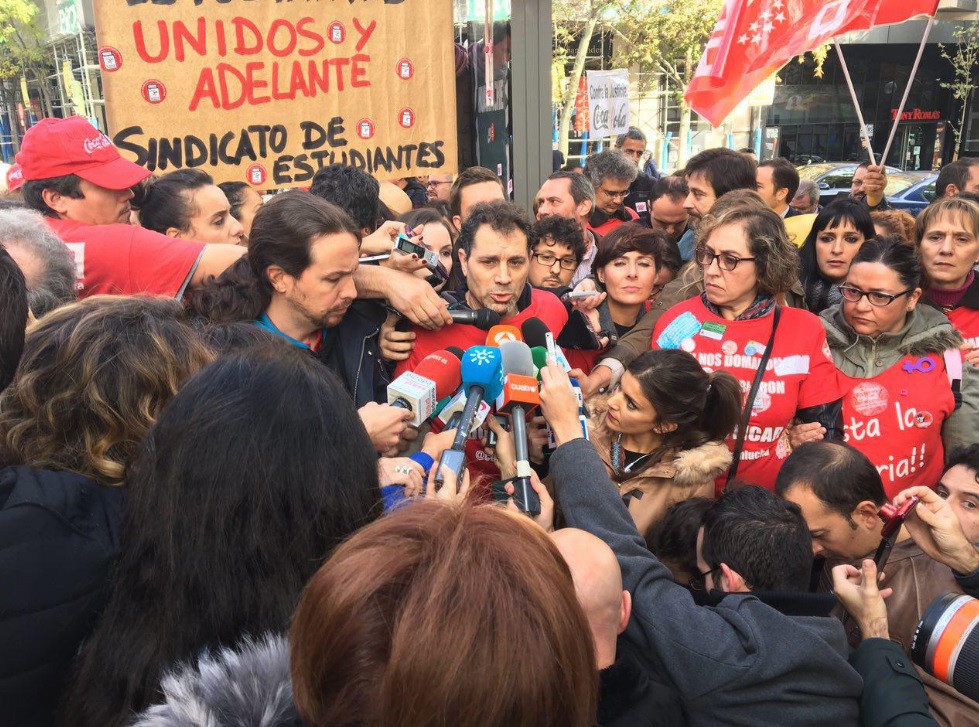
[619, 465]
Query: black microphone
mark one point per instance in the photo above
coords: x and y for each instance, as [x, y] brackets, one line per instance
[534, 332]
[483, 319]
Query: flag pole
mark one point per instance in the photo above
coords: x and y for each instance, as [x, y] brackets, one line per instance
[907, 89]
[856, 103]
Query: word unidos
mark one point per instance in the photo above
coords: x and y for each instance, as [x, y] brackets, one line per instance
[227, 87]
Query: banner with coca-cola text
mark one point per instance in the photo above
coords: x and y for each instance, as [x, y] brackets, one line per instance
[269, 91]
[754, 38]
[608, 103]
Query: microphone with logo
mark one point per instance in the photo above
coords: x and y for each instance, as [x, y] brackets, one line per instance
[498, 335]
[520, 396]
[481, 379]
[419, 391]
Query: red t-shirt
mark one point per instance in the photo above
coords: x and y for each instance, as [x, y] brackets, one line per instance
[966, 322]
[613, 222]
[896, 418]
[800, 372]
[543, 305]
[127, 259]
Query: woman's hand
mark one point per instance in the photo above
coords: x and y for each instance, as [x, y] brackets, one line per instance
[434, 444]
[591, 302]
[546, 517]
[405, 263]
[935, 529]
[559, 404]
[451, 491]
[800, 433]
[395, 345]
[858, 592]
[382, 239]
[505, 450]
[397, 470]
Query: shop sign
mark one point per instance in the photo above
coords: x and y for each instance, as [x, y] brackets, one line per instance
[917, 115]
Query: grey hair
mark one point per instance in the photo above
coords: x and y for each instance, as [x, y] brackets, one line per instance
[633, 133]
[26, 229]
[808, 188]
[610, 164]
[581, 188]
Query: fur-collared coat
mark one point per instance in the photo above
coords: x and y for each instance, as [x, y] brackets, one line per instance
[679, 476]
[246, 687]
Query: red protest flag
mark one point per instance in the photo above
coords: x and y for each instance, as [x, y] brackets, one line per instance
[754, 38]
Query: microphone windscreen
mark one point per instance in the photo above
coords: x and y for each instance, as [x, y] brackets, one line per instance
[539, 354]
[535, 332]
[486, 318]
[498, 335]
[443, 369]
[455, 351]
[483, 366]
[517, 358]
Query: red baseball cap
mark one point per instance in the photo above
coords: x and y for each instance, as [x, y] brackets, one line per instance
[58, 147]
[15, 178]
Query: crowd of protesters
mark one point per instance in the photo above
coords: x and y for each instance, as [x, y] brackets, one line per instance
[210, 513]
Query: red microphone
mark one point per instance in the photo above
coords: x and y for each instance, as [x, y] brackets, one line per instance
[501, 334]
[418, 391]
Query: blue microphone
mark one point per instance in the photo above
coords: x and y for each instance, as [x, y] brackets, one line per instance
[482, 379]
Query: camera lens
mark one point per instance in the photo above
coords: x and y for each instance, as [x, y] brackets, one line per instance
[946, 642]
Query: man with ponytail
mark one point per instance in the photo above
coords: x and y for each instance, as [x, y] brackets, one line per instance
[297, 282]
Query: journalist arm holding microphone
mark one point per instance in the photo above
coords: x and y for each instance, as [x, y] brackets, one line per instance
[725, 659]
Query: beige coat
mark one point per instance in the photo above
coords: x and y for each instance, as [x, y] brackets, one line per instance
[686, 474]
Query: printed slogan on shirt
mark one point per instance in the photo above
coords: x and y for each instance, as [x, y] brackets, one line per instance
[269, 91]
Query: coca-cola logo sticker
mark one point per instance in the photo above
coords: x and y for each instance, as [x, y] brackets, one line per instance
[869, 398]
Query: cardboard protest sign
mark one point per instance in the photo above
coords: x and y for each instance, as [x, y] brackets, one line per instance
[608, 103]
[269, 91]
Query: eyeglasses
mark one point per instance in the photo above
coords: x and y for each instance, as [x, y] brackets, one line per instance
[725, 260]
[614, 195]
[699, 581]
[547, 260]
[877, 299]
[436, 184]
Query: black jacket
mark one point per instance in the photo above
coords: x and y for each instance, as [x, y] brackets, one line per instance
[59, 536]
[639, 199]
[893, 695]
[629, 696]
[353, 353]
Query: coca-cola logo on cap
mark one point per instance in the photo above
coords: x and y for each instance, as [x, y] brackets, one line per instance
[99, 142]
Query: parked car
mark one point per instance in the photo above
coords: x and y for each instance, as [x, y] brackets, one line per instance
[834, 178]
[916, 197]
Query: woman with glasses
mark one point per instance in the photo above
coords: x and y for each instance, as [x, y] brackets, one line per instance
[900, 409]
[778, 354]
[838, 232]
[947, 238]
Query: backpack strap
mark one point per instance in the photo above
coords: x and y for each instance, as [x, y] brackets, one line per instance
[953, 367]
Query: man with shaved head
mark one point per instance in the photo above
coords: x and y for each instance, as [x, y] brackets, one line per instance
[628, 695]
[598, 584]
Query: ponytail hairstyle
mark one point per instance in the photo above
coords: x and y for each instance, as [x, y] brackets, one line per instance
[167, 202]
[282, 234]
[706, 407]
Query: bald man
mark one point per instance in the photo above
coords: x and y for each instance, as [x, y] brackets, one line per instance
[598, 584]
[628, 696]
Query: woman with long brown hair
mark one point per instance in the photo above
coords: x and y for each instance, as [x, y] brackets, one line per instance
[93, 378]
